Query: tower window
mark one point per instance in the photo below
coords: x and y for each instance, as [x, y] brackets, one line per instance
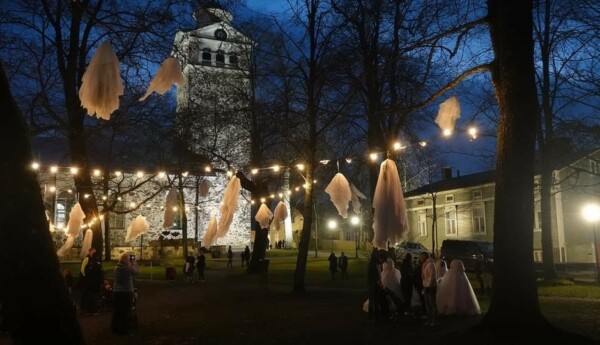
[206, 57]
[233, 60]
[220, 58]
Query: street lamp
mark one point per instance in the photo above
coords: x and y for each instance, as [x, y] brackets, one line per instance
[332, 225]
[591, 213]
[354, 220]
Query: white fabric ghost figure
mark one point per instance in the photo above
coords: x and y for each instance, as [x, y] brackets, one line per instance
[448, 113]
[75, 221]
[211, 232]
[171, 202]
[263, 216]
[229, 205]
[455, 296]
[169, 73]
[204, 187]
[390, 278]
[280, 214]
[440, 270]
[139, 226]
[340, 193]
[87, 243]
[390, 221]
[356, 197]
[66, 246]
[101, 84]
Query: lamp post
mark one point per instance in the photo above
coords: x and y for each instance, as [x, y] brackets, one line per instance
[332, 225]
[355, 221]
[591, 213]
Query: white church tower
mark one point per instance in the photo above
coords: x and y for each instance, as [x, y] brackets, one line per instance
[212, 108]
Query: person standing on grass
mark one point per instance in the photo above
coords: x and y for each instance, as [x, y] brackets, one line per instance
[333, 263]
[123, 291]
[429, 288]
[343, 263]
[200, 265]
[229, 257]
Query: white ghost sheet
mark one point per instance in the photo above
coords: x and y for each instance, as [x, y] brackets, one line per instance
[75, 221]
[229, 205]
[448, 113]
[101, 84]
[340, 194]
[390, 221]
[169, 73]
[211, 232]
[87, 243]
[280, 214]
[66, 246]
[356, 197]
[263, 216]
[139, 226]
[171, 202]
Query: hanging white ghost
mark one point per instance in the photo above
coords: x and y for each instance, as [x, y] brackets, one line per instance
[101, 84]
[263, 216]
[280, 214]
[211, 232]
[340, 194]
[448, 113]
[356, 197]
[66, 246]
[170, 204]
[76, 217]
[229, 205]
[169, 73]
[139, 226]
[390, 221]
[87, 243]
[204, 187]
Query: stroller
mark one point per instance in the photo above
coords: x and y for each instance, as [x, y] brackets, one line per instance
[106, 296]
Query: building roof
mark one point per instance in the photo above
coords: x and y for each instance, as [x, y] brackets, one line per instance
[455, 183]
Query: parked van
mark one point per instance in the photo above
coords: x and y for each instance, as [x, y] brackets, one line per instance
[467, 251]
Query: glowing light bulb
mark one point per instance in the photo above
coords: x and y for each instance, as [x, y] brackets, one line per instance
[162, 174]
[35, 165]
[373, 156]
[254, 171]
[276, 168]
[54, 169]
[140, 174]
[300, 166]
[74, 170]
[447, 132]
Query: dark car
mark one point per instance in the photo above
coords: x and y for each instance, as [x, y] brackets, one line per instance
[467, 251]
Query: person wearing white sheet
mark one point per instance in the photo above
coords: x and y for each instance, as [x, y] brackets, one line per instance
[440, 270]
[455, 295]
[390, 278]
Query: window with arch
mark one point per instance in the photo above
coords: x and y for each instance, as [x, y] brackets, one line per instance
[206, 57]
[233, 60]
[220, 58]
[64, 204]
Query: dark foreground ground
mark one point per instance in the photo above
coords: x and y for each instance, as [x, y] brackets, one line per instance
[239, 309]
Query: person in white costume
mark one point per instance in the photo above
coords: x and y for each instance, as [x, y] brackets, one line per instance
[455, 295]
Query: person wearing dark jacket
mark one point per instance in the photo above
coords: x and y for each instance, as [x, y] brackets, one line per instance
[333, 263]
[200, 265]
[407, 269]
[123, 291]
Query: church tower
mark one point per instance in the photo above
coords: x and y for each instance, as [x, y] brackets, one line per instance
[212, 107]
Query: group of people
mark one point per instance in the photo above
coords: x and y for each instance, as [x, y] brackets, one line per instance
[439, 290]
[336, 263]
[192, 264]
[91, 282]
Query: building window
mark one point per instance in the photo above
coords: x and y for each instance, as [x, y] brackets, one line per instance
[449, 199]
[206, 57]
[194, 52]
[593, 167]
[233, 60]
[477, 194]
[537, 255]
[422, 223]
[538, 221]
[350, 235]
[177, 220]
[117, 220]
[421, 202]
[450, 217]
[479, 219]
[64, 203]
[220, 58]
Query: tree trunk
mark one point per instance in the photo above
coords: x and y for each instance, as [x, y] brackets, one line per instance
[35, 300]
[514, 302]
[181, 210]
[307, 215]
